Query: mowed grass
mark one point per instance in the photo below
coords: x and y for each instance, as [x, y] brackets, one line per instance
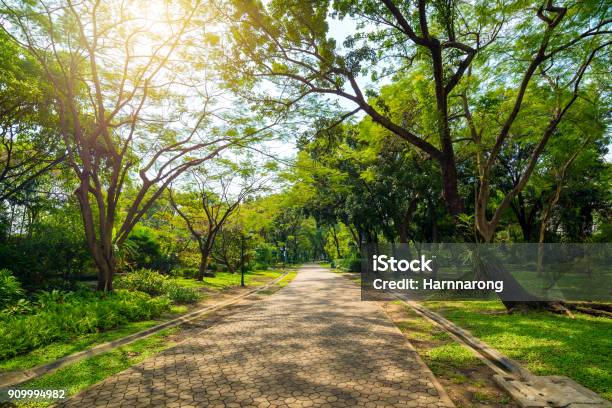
[224, 280]
[286, 279]
[545, 343]
[85, 373]
[443, 353]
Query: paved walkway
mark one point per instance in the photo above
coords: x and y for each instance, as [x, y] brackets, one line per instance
[314, 343]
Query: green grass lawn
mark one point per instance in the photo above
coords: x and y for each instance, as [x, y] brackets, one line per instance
[223, 280]
[287, 279]
[444, 353]
[545, 343]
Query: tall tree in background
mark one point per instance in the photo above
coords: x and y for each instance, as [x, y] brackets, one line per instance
[288, 43]
[125, 103]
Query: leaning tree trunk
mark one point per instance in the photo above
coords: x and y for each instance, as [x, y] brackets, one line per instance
[514, 296]
[493, 269]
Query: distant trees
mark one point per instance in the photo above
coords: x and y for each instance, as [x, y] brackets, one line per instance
[207, 208]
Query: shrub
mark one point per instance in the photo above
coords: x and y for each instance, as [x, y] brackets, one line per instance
[143, 280]
[180, 294]
[186, 272]
[146, 250]
[55, 249]
[151, 282]
[10, 289]
[77, 313]
[22, 306]
[352, 263]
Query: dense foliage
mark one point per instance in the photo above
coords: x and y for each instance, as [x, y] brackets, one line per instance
[132, 150]
[55, 315]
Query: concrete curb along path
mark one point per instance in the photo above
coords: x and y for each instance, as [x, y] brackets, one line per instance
[527, 389]
[14, 378]
[313, 343]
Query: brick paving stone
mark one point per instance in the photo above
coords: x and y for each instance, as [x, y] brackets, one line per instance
[312, 344]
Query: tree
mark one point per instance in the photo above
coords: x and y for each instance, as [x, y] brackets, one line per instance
[228, 246]
[287, 43]
[218, 199]
[121, 93]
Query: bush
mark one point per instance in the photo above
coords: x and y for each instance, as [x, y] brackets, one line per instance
[10, 289]
[146, 250]
[352, 263]
[76, 313]
[257, 266]
[143, 280]
[151, 282]
[55, 250]
[180, 294]
[185, 272]
[22, 306]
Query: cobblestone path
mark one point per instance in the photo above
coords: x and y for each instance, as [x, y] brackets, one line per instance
[312, 344]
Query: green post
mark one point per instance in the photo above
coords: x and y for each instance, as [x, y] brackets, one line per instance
[242, 259]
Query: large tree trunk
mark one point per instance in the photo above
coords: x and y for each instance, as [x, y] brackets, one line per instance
[448, 166]
[105, 262]
[106, 272]
[203, 266]
[494, 270]
[100, 244]
[202, 270]
[450, 191]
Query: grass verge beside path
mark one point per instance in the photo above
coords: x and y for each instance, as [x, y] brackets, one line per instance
[466, 379]
[54, 351]
[85, 373]
[225, 280]
[545, 343]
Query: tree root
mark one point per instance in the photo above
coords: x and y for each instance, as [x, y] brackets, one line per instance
[553, 307]
[591, 308]
[566, 308]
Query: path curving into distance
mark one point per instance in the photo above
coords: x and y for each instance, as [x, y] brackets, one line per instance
[312, 344]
